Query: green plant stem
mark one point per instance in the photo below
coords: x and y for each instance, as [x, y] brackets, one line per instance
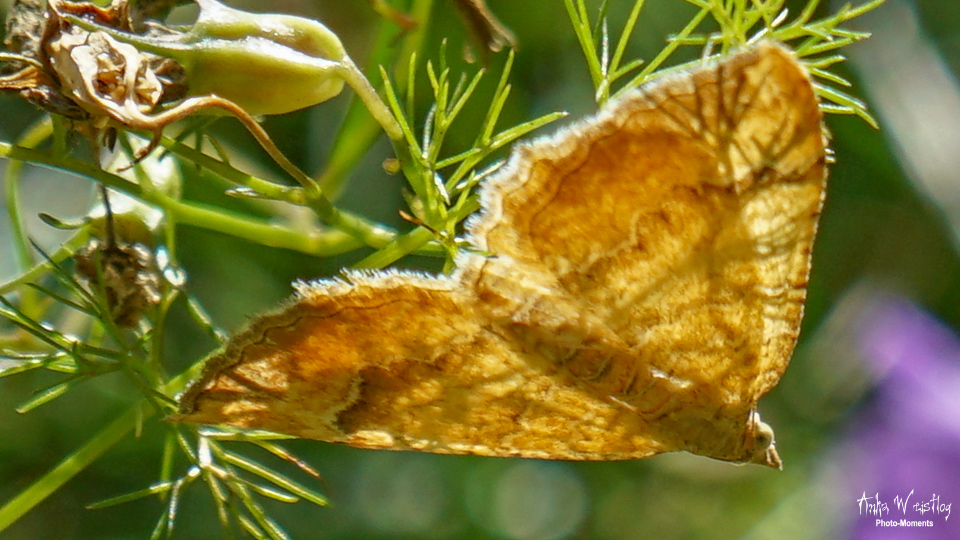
[76, 462]
[67, 249]
[368, 95]
[351, 233]
[352, 226]
[31, 138]
[400, 247]
[73, 464]
[412, 241]
[318, 243]
[654, 65]
[359, 130]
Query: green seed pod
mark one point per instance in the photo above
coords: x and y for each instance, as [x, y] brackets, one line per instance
[217, 20]
[265, 63]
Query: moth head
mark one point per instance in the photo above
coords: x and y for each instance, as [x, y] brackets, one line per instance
[763, 449]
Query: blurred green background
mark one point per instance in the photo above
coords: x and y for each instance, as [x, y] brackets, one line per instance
[888, 237]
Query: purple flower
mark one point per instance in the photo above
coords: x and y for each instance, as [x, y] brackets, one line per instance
[903, 460]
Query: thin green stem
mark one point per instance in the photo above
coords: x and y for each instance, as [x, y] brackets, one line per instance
[402, 246]
[581, 27]
[665, 53]
[263, 188]
[72, 465]
[66, 250]
[359, 130]
[413, 241]
[368, 95]
[76, 462]
[31, 138]
[351, 230]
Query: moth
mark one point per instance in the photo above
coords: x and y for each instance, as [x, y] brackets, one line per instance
[637, 285]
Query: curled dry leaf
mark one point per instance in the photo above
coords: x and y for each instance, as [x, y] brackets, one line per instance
[25, 26]
[484, 25]
[110, 79]
[83, 76]
[229, 61]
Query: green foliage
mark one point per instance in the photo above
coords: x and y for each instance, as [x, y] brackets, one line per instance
[52, 322]
[738, 22]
